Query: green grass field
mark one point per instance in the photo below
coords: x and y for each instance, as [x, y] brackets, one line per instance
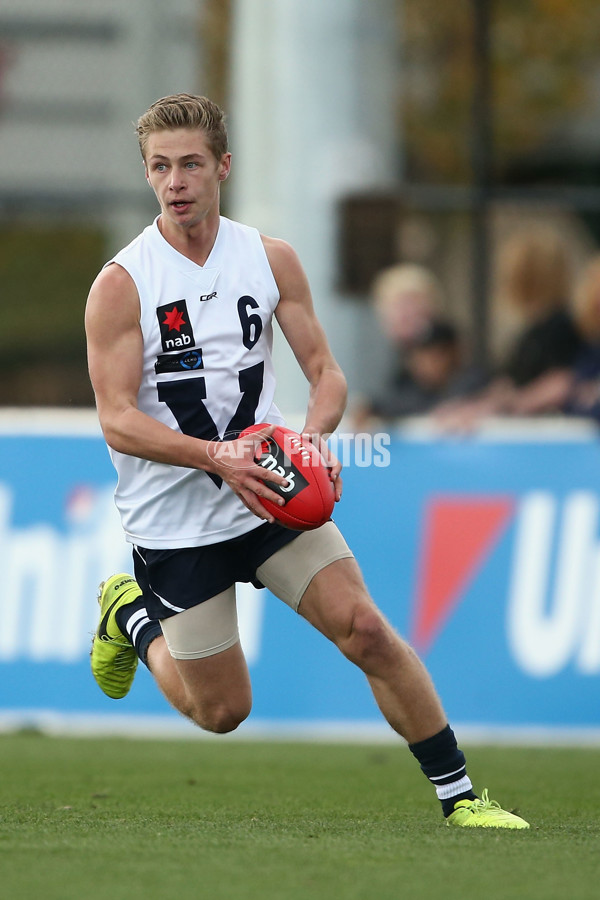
[233, 820]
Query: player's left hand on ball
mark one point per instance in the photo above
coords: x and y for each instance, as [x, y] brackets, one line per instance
[330, 459]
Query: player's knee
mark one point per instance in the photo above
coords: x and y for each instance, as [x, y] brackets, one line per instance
[221, 718]
[371, 640]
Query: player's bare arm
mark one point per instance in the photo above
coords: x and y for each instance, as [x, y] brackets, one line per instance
[296, 315]
[114, 341]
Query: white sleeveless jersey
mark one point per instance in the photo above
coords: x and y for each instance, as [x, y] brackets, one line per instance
[207, 371]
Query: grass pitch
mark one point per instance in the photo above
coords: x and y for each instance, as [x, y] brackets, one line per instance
[88, 819]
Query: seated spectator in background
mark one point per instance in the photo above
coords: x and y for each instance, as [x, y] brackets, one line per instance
[536, 282]
[582, 396]
[433, 370]
[405, 299]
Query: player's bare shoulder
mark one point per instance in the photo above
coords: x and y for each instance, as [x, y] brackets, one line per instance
[113, 291]
[113, 279]
[278, 250]
[286, 266]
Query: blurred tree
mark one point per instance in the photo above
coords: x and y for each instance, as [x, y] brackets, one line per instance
[543, 57]
[46, 273]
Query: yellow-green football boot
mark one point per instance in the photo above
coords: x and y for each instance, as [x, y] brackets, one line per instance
[484, 813]
[113, 656]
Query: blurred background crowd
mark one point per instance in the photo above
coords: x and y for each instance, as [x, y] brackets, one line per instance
[437, 167]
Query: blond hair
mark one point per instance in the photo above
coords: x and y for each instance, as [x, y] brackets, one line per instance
[535, 271]
[184, 111]
[403, 279]
[406, 297]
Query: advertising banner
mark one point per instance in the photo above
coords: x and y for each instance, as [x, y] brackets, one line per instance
[484, 554]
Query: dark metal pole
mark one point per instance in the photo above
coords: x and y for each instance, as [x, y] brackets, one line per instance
[482, 176]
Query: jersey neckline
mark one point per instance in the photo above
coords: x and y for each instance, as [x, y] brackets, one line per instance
[179, 259]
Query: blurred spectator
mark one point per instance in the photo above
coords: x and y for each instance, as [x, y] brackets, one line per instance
[583, 392]
[433, 369]
[535, 280]
[405, 299]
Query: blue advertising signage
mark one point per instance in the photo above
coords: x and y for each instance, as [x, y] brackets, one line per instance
[484, 554]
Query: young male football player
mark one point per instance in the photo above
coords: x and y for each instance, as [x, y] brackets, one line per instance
[179, 330]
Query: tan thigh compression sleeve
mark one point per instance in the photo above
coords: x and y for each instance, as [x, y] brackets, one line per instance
[289, 571]
[212, 626]
[205, 629]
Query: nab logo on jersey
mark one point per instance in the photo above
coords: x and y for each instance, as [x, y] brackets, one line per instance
[175, 328]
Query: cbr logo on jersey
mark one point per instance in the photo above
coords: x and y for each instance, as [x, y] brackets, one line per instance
[175, 328]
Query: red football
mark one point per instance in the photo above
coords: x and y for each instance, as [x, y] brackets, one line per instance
[310, 495]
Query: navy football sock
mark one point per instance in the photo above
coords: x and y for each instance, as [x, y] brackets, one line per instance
[133, 620]
[445, 766]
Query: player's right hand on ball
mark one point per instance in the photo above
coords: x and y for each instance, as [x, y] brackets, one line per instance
[234, 462]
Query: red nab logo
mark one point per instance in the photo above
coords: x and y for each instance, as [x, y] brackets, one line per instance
[459, 534]
[175, 328]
